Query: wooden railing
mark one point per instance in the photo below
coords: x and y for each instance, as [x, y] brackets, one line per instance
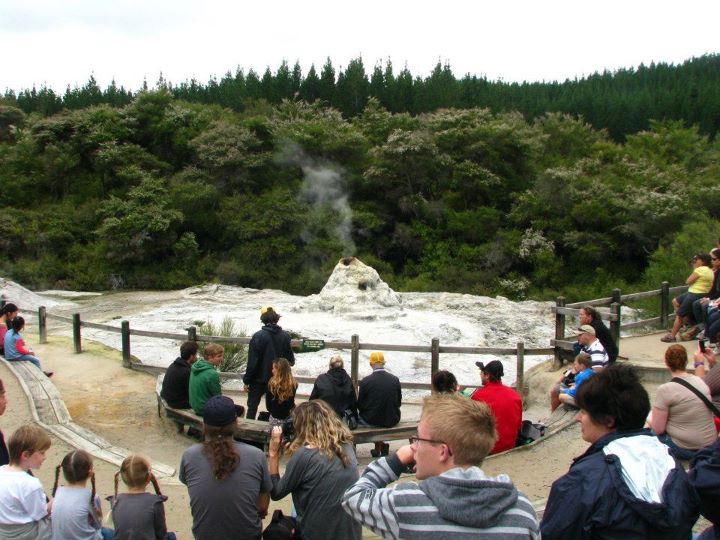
[614, 316]
[434, 349]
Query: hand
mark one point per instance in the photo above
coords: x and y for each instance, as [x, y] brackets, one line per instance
[246, 388]
[707, 354]
[704, 301]
[275, 440]
[406, 454]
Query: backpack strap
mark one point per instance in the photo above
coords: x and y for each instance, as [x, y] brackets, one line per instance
[698, 393]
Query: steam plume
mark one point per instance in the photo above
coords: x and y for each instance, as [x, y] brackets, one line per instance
[323, 188]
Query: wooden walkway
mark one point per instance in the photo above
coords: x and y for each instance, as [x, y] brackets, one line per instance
[49, 411]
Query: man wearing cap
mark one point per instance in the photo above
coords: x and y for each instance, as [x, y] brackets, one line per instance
[379, 400]
[228, 481]
[504, 402]
[267, 344]
[591, 345]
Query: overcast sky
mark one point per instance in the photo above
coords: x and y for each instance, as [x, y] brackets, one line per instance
[62, 42]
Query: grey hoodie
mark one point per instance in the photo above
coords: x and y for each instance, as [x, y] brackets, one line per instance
[461, 503]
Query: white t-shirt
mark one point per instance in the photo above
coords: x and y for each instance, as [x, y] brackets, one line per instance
[597, 352]
[22, 499]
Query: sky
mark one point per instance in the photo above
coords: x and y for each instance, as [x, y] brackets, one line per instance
[61, 43]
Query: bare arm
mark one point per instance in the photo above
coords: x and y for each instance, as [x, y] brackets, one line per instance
[658, 420]
[274, 450]
[263, 503]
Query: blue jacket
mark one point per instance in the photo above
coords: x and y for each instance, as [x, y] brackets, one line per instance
[580, 378]
[594, 500]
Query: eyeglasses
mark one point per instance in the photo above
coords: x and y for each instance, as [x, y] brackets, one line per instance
[415, 440]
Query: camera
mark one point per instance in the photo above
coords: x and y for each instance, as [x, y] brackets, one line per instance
[701, 342]
[287, 426]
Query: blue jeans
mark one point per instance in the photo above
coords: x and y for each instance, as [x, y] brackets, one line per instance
[27, 358]
[677, 451]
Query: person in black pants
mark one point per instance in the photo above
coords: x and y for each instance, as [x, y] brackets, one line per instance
[379, 400]
[267, 344]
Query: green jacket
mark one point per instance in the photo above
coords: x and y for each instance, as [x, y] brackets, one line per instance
[204, 384]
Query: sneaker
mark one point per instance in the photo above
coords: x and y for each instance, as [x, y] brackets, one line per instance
[668, 338]
[689, 334]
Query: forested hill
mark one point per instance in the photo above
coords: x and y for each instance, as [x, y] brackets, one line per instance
[622, 102]
[166, 193]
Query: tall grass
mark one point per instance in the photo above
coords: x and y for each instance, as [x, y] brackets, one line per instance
[235, 358]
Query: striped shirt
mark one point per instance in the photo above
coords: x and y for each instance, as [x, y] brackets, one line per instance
[460, 503]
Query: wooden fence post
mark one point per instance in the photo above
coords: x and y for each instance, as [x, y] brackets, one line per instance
[192, 333]
[615, 325]
[520, 369]
[76, 333]
[434, 356]
[125, 333]
[664, 304]
[559, 331]
[42, 324]
[354, 359]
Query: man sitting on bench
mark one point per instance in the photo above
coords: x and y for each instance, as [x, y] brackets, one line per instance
[205, 379]
[176, 383]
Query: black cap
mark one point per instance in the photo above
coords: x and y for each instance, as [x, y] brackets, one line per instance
[494, 368]
[219, 411]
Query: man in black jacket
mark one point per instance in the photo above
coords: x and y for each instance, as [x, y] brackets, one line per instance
[379, 400]
[336, 388]
[267, 344]
[177, 377]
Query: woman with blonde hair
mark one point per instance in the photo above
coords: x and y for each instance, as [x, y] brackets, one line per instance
[321, 467]
[138, 514]
[280, 397]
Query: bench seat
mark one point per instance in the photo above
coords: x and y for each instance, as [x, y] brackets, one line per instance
[257, 431]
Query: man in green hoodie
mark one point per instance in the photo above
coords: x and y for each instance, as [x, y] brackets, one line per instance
[204, 377]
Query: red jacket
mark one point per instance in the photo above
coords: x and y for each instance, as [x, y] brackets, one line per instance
[506, 405]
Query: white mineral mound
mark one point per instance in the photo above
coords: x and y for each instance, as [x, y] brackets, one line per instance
[353, 287]
[25, 299]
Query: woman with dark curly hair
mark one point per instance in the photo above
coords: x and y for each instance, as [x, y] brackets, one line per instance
[228, 481]
[321, 467]
[626, 485]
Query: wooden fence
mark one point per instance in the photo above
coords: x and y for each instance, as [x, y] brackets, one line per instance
[434, 349]
[558, 345]
[614, 316]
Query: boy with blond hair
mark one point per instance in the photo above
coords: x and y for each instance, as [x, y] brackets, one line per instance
[453, 497]
[24, 509]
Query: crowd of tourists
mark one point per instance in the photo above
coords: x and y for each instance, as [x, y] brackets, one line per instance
[629, 483]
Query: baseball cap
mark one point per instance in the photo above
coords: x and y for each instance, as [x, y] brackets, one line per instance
[219, 411]
[586, 329]
[494, 368]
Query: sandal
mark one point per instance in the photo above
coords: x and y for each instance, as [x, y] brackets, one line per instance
[668, 338]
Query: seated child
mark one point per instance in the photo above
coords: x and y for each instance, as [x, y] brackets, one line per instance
[137, 514]
[76, 512]
[24, 508]
[583, 370]
[566, 381]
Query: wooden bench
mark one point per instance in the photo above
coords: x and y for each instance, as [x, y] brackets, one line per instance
[257, 431]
